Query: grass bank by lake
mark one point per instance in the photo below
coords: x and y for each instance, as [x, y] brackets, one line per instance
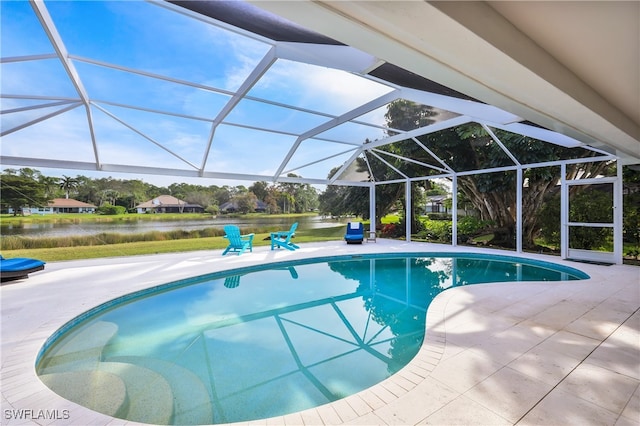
[7, 219]
[57, 253]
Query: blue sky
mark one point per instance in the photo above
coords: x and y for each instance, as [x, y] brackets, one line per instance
[152, 39]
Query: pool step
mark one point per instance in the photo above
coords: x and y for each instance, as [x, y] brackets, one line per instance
[149, 396]
[83, 351]
[119, 389]
[191, 400]
[100, 391]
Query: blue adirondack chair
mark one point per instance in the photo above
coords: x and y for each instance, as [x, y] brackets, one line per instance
[237, 243]
[283, 238]
[355, 233]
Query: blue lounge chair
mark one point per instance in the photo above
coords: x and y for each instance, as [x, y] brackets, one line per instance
[237, 243]
[283, 238]
[355, 233]
[18, 267]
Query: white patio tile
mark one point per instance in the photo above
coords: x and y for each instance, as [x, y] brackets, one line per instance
[509, 393]
[632, 409]
[560, 408]
[570, 344]
[465, 370]
[545, 365]
[429, 396]
[464, 411]
[620, 358]
[600, 386]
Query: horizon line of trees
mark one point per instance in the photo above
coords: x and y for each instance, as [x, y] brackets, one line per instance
[29, 187]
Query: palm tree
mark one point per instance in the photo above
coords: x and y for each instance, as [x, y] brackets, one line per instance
[67, 184]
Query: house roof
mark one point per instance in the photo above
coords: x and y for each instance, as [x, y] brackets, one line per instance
[68, 203]
[165, 201]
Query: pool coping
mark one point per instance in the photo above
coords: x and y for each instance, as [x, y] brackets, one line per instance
[399, 399]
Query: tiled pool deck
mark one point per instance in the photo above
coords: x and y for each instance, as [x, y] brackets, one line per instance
[526, 353]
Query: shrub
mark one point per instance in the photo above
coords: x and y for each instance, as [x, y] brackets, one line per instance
[436, 230]
[470, 226]
[390, 230]
[109, 209]
[439, 216]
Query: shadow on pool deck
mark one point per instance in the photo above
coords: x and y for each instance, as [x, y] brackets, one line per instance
[522, 353]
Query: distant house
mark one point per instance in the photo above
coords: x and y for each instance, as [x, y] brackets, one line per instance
[60, 205]
[232, 206]
[436, 204]
[168, 204]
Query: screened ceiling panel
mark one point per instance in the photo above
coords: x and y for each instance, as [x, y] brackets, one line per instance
[44, 78]
[315, 159]
[147, 92]
[225, 90]
[18, 115]
[382, 169]
[22, 33]
[374, 117]
[528, 150]
[273, 117]
[354, 171]
[405, 114]
[354, 132]
[467, 148]
[412, 158]
[247, 151]
[316, 88]
[408, 166]
[186, 138]
[65, 136]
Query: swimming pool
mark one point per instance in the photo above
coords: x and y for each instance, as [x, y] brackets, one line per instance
[261, 341]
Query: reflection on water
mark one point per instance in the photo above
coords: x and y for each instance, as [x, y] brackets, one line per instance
[262, 343]
[142, 226]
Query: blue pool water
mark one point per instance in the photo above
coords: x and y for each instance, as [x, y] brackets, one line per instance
[264, 341]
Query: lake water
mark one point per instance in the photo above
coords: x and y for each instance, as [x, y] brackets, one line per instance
[142, 226]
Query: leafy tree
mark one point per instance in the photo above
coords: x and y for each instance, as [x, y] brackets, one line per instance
[220, 194]
[271, 200]
[338, 200]
[50, 185]
[247, 202]
[21, 191]
[68, 184]
[202, 198]
[260, 189]
[297, 197]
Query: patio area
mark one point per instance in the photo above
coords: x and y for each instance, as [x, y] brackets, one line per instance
[521, 353]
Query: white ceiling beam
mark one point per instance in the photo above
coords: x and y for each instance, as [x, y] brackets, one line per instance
[50, 29]
[432, 128]
[344, 58]
[350, 115]
[255, 75]
[475, 110]
[40, 119]
[149, 138]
